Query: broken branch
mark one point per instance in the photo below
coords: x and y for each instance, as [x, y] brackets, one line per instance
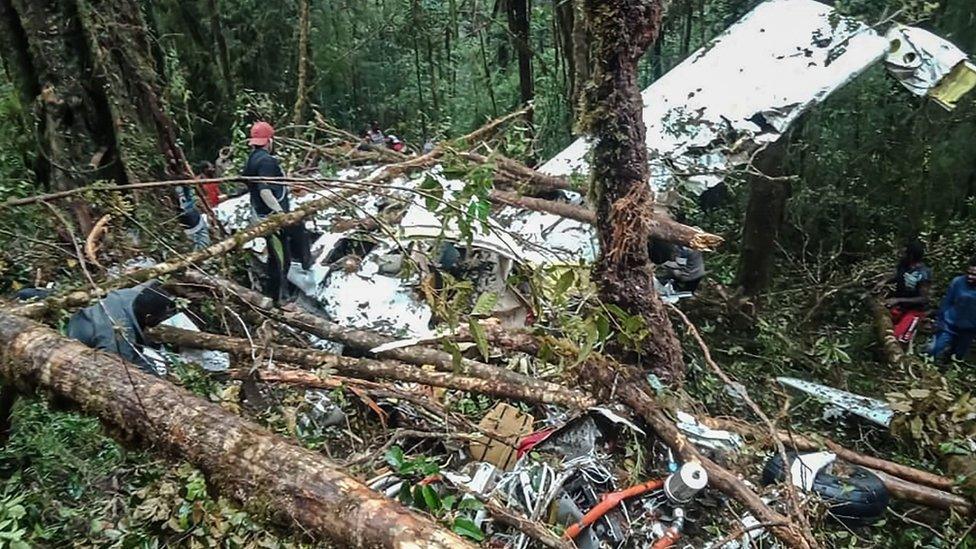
[360, 368]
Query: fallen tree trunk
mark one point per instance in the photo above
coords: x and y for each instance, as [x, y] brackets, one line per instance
[364, 340]
[514, 171]
[923, 495]
[661, 227]
[885, 331]
[562, 209]
[368, 368]
[805, 443]
[264, 471]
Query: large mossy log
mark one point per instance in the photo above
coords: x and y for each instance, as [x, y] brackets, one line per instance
[264, 471]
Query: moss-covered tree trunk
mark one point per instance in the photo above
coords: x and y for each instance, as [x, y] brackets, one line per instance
[88, 69]
[765, 212]
[621, 31]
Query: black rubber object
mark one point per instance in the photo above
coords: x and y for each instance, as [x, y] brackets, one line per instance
[858, 497]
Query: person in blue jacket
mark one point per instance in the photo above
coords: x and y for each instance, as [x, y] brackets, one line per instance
[957, 317]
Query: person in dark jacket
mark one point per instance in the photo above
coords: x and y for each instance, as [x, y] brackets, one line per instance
[957, 317]
[270, 197]
[116, 323]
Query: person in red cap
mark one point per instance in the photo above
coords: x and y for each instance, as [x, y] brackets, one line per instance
[270, 197]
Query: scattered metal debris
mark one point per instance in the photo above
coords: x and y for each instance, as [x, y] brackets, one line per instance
[871, 409]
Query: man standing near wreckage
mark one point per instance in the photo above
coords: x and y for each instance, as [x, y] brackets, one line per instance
[272, 196]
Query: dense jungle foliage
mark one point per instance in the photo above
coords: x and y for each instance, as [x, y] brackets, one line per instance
[874, 166]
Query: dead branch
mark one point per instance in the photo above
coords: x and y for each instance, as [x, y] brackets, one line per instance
[364, 341]
[662, 227]
[516, 171]
[91, 242]
[922, 495]
[628, 384]
[359, 368]
[268, 226]
[629, 389]
[523, 524]
[810, 443]
[242, 460]
[562, 209]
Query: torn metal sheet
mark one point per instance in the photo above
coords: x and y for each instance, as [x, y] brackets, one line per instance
[743, 89]
[705, 437]
[928, 65]
[873, 410]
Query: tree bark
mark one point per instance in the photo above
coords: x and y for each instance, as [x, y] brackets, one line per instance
[301, 94]
[565, 18]
[364, 368]
[264, 471]
[904, 490]
[662, 228]
[581, 42]
[622, 30]
[807, 444]
[220, 41]
[363, 341]
[519, 24]
[73, 116]
[764, 218]
[884, 330]
[96, 92]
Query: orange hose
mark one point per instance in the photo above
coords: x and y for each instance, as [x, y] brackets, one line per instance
[670, 538]
[608, 502]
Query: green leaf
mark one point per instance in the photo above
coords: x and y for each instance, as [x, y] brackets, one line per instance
[566, 280]
[467, 528]
[485, 304]
[592, 334]
[433, 193]
[448, 501]
[470, 504]
[394, 457]
[480, 338]
[404, 495]
[431, 499]
[602, 327]
[452, 347]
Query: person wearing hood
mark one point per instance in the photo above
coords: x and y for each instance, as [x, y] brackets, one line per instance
[116, 323]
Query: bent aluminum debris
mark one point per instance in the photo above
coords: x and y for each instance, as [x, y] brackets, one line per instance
[871, 409]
